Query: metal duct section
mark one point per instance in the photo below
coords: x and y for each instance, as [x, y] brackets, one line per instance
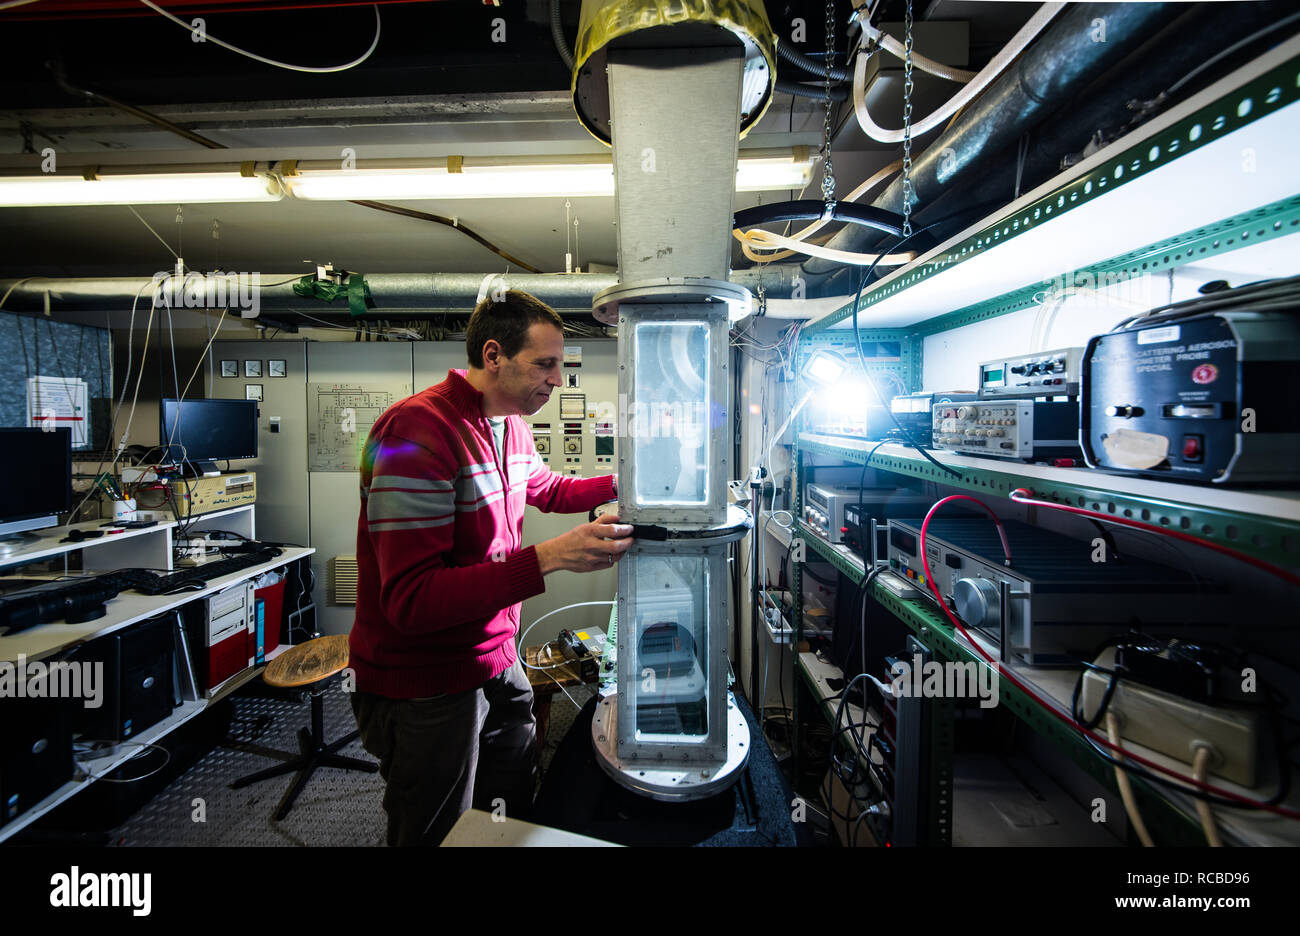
[403, 293]
[1081, 45]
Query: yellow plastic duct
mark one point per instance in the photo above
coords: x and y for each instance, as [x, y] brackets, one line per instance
[670, 24]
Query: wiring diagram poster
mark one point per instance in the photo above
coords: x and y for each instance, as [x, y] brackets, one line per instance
[339, 417]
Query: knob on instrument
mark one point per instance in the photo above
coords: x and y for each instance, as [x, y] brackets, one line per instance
[978, 602]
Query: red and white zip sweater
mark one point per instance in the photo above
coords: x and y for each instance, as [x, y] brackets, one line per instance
[441, 571]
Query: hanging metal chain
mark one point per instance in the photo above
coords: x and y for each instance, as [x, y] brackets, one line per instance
[907, 122]
[828, 169]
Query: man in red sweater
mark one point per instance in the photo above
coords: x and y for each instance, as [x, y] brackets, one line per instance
[442, 699]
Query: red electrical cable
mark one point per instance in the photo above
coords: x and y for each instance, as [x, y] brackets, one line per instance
[1153, 528]
[1049, 708]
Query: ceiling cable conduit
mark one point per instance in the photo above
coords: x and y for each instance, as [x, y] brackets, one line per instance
[814, 91]
[1066, 58]
[557, 36]
[806, 64]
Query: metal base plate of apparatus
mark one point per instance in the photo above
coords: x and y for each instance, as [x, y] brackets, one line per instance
[667, 782]
[668, 290]
[660, 770]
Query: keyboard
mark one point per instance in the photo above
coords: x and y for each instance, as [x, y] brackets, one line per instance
[155, 583]
[85, 598]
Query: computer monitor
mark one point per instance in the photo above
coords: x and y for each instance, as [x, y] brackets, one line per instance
[35, 479]
[201, 431]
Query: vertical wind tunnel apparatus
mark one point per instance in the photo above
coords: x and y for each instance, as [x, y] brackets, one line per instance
[672, 90]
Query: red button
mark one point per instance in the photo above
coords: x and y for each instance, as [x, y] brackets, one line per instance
[1191, 447]
[844, 529]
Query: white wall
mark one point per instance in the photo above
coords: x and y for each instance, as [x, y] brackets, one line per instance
[951, 358]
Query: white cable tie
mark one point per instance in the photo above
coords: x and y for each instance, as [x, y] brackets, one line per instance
[486, 285]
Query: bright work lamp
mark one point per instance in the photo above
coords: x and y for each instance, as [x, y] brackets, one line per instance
[825, 368]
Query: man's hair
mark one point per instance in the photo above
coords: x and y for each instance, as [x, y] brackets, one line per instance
[506, 321]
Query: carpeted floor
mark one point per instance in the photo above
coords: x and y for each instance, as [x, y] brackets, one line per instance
[337, 807]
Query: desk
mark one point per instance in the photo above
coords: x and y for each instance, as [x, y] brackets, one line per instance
[478, 828]
[126, 609]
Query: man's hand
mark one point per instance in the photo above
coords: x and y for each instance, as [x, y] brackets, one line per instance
[592, 546]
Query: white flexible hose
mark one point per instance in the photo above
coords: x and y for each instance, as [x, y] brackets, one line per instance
[986, 76]
[758, 239]
[1125, 788]
[938, 69]
[1200, 771]
[768, 240]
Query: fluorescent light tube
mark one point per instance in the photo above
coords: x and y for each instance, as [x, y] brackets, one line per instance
[144, 189]
[472, 182]
[481, 177]
[763, 175]
[574, 180]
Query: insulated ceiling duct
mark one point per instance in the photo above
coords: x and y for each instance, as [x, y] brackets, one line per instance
[683, 24]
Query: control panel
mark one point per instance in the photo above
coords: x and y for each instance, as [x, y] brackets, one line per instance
[1176, 401]
[988, 429]
[823, 510]
[1040, 373]
[1007, 428]
[575, 431]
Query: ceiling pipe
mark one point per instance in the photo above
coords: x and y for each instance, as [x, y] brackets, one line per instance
[1083, 43]
[405, 294]
[1118, 107]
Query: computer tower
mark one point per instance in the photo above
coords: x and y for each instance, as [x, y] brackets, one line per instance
[220, 629]
[139, 680]
[35, 753]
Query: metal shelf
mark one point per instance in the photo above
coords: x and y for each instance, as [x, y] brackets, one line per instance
[839, 556]
[90, 770]
[1171, 819]
[1053, 236]
[1170, 816]
[935, 632]
[816, 673]
[127, 608]
[1265, 524]
[1050, 234]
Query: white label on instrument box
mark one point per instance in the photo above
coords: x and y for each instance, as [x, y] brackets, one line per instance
[1159, 335]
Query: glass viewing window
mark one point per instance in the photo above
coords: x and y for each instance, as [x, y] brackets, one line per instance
[670, 415]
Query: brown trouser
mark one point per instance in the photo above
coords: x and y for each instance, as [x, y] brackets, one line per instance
[440, 756]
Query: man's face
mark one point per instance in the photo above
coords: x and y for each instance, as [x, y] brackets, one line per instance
[527, 379]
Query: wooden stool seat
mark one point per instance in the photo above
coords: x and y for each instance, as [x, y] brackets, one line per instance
[308, 662]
